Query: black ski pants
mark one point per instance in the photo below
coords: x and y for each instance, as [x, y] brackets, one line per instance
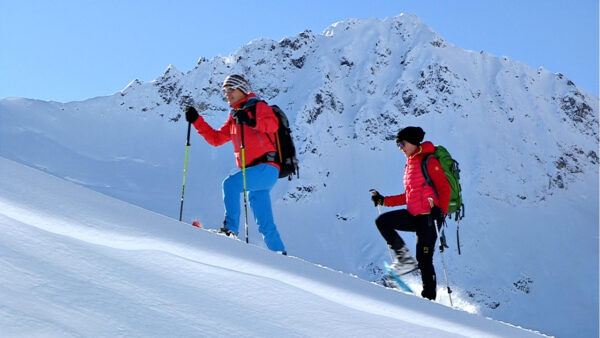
[423, 225]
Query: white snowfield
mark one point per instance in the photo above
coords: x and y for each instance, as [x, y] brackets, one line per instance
[75, 263]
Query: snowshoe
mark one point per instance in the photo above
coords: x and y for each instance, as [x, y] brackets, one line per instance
[226, 232]
[394, 281]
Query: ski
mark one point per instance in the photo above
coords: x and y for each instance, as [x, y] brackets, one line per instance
[396, 280]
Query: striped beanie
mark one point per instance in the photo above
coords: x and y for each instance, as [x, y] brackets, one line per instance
[237, 81]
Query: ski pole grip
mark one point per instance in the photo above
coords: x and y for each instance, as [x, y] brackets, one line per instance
[188, 134]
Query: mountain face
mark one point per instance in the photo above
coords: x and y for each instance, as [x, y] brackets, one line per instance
[526, 140]
[362, 80]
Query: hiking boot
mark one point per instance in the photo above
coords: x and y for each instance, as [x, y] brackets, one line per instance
[429, 294]
[404, 262]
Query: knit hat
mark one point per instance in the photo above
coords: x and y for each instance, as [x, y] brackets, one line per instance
[237, 81]
[413, 135]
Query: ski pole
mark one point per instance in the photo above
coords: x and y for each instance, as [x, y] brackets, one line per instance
[185, 165]
[243, 154]
[444, 264]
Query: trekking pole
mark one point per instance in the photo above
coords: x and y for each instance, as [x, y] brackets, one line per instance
[243, 154]
[185, 165]
[443, 263]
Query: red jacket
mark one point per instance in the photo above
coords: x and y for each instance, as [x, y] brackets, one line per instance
[418, 191]
[258, 140]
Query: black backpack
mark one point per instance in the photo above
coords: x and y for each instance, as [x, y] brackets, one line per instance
[286, 151]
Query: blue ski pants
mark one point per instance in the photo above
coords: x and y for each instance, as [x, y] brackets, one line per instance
[260, 179]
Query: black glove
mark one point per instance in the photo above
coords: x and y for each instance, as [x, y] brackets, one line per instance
[376, 198]
[191, 115]
[241, 117]
[438, 213]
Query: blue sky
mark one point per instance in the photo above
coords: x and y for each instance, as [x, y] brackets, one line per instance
[77, 49]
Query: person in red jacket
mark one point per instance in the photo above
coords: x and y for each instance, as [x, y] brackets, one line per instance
[251, 124]
[423, 209]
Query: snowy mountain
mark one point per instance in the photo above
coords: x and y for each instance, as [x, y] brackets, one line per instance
[526, 140]
[89, 265]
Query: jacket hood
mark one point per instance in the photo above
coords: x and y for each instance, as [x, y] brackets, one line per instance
[427, 147]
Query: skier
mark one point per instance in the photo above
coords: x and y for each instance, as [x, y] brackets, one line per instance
[423, 209]
[255, 133]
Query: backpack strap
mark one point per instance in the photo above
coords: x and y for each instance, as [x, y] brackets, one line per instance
[251, 103]
[424, 163]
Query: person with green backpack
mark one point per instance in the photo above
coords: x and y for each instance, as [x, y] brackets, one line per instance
[426, 205]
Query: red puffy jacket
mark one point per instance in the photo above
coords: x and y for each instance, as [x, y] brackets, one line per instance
[418, 191]
[258, 140]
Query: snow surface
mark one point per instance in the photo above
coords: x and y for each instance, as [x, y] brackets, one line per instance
[526, 140]
[78, 263]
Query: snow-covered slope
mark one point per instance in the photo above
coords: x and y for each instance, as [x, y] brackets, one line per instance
[526, 140]
[78, 263]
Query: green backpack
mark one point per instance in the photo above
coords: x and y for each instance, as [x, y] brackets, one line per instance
[450, 167]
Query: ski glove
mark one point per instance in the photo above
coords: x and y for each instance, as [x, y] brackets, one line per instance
[191, 115]
[241, 117]
[377, 198]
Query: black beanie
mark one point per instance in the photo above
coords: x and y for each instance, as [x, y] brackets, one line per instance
[413, 135]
